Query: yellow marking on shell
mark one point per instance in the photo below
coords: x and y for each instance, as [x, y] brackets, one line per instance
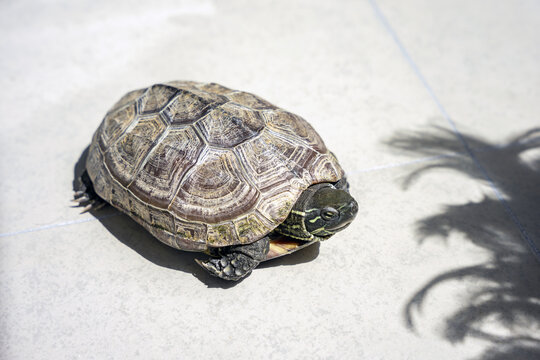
[285, 209]
[250, 227]
[222, 230]
[220, 234]
[185, 234]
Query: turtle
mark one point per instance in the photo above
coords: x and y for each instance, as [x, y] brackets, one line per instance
[224, 172]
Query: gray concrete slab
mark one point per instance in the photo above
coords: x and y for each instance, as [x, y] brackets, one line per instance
[435, 266]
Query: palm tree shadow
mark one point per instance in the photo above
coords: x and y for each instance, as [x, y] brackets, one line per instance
[134, 236]
[507, 285]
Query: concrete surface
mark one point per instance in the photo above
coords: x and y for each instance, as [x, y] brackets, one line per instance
[430, 106]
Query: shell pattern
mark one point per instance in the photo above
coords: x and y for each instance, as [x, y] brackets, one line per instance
[200, 165]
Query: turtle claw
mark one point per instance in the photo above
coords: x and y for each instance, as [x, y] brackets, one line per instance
[80, 198]
[86, 197]
[98, 205]
[88, 204]
[231, 266]
[87, 208]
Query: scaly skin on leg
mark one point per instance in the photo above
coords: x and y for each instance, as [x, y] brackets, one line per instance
[237, 261]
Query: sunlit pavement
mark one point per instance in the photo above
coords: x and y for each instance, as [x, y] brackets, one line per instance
[431, 107]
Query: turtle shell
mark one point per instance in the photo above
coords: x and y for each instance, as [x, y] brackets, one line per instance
[200, 165]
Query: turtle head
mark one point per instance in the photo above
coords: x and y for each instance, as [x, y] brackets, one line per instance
[328, 211]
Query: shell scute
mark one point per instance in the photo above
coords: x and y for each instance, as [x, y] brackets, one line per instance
[160, 219]
[114, 124]
[183, 84]
[98, 173]
[249, 100]
[325, 169]
[190, 235]
[276, 206]
[266, 160]
[129, 98]
[294, 126]
[251, 226]
[230, 125]
[214, 190]
[190, 105]
[124, 156]
[223, 234]
[159, 177]
[214, 88]
[119, 197]
[155, 98]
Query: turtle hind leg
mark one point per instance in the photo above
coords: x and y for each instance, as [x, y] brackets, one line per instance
[86, 196]
[238, 261]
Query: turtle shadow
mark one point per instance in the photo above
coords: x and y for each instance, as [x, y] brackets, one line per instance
[134, 236]
[506, 290]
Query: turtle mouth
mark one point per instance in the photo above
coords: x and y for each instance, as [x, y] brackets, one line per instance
[344, 226]
[340, 227]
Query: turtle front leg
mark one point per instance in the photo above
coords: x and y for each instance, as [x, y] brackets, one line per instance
[237, 261]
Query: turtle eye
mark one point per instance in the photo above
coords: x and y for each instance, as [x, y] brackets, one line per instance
[329, 213]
